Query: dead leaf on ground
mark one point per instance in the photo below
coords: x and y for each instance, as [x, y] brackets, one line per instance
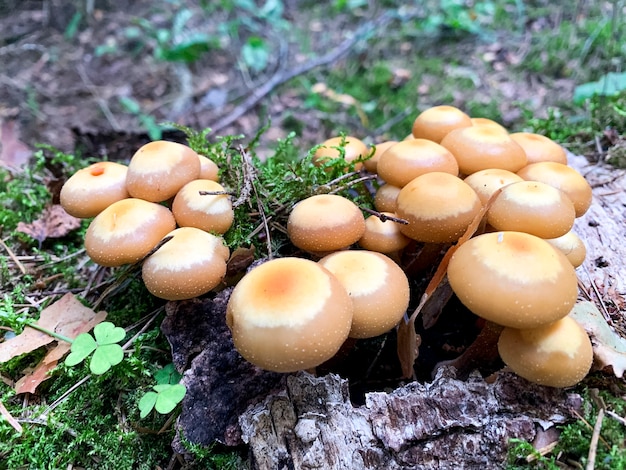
[609, 349]
[13, 152]
[54, 222]
[10, 419]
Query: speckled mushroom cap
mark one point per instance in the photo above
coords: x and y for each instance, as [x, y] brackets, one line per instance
[556, 355]
[409, 159]
[481, 147]
[371, 164]
[562, 177]
[211, 213]
[379, 289]
[192, 263]
[436, 122]
[513, 279]
[438, 206]
[540, 148]
[90, 190]
[325, 222]
[383, 237]
[386, 197]
[487, 182]
[159, 169]
[571, 246]
[289, 314]
[532, 207]
[354, 148]
[208, 169]
[126, 231]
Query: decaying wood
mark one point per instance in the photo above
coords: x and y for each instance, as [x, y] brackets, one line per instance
[448, 423]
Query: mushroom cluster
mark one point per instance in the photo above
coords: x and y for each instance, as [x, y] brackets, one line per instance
[137, 208]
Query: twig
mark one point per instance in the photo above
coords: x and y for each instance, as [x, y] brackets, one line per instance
[282, 76]
[60, 400]
[13, 257]
[385, 217]
[143, 329]
[593, 445]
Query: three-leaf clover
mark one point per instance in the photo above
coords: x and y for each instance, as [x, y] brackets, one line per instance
[106, 352]
[166, 395]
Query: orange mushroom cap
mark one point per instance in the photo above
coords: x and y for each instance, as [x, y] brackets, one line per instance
[436, 122]
[354, 148]
[211, 213]
[540, 148]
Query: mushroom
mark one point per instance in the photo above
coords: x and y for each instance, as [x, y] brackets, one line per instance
[481, 121]
[481, 147]
[438, 206]
[289, 314]
[209, 212]
[329, 149]
[532, 207]
[409, 159]
[325, 223]
[487, 182]
[379, 289]
[540, 148]
[190, 264]
[571, 246]
[126, 231]
[436, 122]
[208, 169]
[371, 164]
[385, 198]
[91, 190]
[159, 169]
[383, 235]
[558, 354]
[562, 177]
[513, 279]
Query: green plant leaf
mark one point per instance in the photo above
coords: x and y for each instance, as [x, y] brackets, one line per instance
[167, 375]
[146, 404]
[105, 357]
[608, 85]
[107, 333]
[168, 397]
[255, 53]
[82, 346]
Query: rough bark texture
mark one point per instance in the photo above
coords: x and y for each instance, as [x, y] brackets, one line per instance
[444, 424]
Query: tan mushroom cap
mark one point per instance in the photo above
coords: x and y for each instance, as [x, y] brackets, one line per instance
[208, 169]
[481, 121]
[379, 289]
[436, 122]
[438, 206]
[325, 222]
[540, 148]
[90, 190]
[411, 158]
[289, 314]
[159, 169]
[211, 213]
[487, 182]
[371, 164]
[532, 207]
[481, 147]
[126, 231]
[513, 279]
[571, 246]
[383, 237]
[192, 263]
[386, 197]
[562, 177]
[556, 355]
[354, 148]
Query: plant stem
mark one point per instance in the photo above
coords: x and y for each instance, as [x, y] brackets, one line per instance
[51, 333]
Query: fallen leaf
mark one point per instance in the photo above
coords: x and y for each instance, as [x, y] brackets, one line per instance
[57, 316]
[13, 152]
[30, 382]
[54, 222]
[11, 420]
[609, 349]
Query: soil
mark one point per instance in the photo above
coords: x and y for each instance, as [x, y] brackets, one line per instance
[60, 90]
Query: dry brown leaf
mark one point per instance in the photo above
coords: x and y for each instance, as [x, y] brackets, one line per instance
[66, 314]
[30, 382]
[10, 419]
[13, 152]
[54, 222]
[609, 349]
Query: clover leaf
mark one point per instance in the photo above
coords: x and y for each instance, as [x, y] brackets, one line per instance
[164, 399]
[106, 352]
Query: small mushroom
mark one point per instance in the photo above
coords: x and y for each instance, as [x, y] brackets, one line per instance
[325, 223]
[126, 231]
[209, 212]
[513, 279]
[532, 207]
[436, 122]
[208, 169]
[571, 246]
[409, 159]
[91, 190]
[379, 289]
[289, 314]
[540, 148]
[487, 182]
[438, 206]
[386, 197]
[354, 148]
[371, 164]
[481, 147]
[481, 121]
[159, 169]
[190, 264]
[383, 236]
[558, 354]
